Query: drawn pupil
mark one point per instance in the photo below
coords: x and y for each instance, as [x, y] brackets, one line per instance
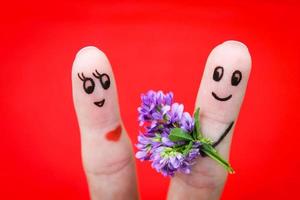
[88, 85]
[236, 78]
[105, 81]
[218, 73]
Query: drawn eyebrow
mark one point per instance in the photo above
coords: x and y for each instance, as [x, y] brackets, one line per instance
[82, 77]
[98, 74]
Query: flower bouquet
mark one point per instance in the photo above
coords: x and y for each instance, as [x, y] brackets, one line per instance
[171, 138]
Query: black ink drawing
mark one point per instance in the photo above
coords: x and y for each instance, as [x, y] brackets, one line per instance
[89, 84]
[235, 80]
[104, 79]
[221, 138]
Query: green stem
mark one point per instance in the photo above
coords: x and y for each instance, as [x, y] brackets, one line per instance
[212, 153]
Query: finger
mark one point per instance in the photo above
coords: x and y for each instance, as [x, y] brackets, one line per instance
[219, 97]
[106, 150]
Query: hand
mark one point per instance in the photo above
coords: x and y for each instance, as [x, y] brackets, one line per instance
[107, 154]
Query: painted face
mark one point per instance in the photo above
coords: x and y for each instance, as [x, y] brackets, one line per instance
[224, 81]
[94, 91]
[235, 80]
[89, 84]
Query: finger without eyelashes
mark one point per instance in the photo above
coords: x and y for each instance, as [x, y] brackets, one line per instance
[223, 87]
[219, 97]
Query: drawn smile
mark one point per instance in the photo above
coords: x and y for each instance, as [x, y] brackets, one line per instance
[219, 98]
[99, 103]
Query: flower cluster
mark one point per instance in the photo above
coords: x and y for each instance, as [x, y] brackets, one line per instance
[159, 115]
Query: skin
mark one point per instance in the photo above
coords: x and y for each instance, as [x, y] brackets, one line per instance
[111, 174]
[208, 178]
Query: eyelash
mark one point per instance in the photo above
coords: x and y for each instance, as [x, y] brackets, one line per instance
[98, 74]
[83, 78]
[88, 83]
[104, 83]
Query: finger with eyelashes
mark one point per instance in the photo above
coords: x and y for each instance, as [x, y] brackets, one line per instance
[219, 97]
[106, 150]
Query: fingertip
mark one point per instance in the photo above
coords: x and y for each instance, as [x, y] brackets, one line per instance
[224, 81]
[235, 43]
[90, 50]
[90, 56]
[86, 49]
[94, 90]
[226, 51]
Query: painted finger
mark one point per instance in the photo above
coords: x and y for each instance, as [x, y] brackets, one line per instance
[219, 98]
[106, 150]
[222, 91]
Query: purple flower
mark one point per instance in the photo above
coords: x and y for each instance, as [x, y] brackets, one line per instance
[187, 122]
[159, 115]
[167, 161]
[176, 112]
[154, 106]
[144, 145]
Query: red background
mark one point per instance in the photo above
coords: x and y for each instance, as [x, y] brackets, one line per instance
[151, 46]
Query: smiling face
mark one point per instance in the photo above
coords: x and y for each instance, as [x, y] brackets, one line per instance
[89, 84]
[235, 80]
[224, 81]
[93, 87]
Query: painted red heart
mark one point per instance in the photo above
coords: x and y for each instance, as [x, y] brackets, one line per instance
[115, 134]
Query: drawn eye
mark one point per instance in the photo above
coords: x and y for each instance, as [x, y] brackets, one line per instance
[88, 84]
[218, 73]
[105, 81]
[236, 78]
